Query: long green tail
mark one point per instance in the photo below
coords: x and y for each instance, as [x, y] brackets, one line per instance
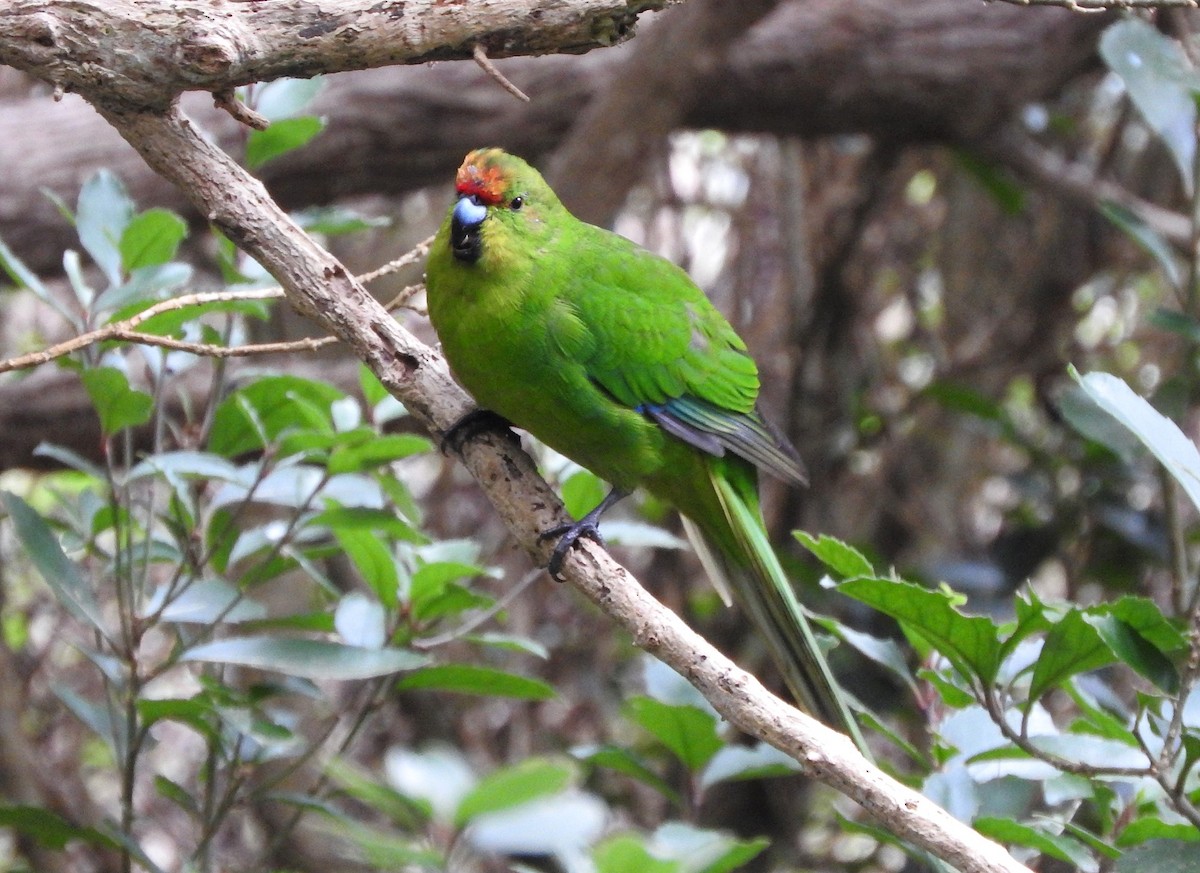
[748, 570]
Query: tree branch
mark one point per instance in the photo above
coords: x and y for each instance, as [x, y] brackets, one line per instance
[318, 285]
[207, 46]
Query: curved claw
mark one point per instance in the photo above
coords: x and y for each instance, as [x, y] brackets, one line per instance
[474, 422]
[588, 526]
[568, 534]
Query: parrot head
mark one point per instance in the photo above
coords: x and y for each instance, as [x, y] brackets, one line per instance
[502, 202]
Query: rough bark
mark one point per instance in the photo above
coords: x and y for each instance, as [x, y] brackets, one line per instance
[934, 70]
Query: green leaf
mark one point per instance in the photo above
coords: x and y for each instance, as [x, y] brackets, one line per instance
[625, 853]
[377, 452]
[624, 761]
[1072, 646]
[1160, 82]
[1004, 190]
[690, 733]
[59, 572]
[582, 492]
[363, 785]
[1136, 651]
[971, 643]
[365, 518]
[24, 277]
[49, 829]
[1147, 238]
[845, 561]
[267, 408]
[1093, 423]
[471, 679]
[151, 238]
[1142, 830]
[309, 659]
[513, 786]
[704, 851]
[1157, 432]
[177, 794]
[280, 138]
[195, 712]
[374, 560]
[104, 211]
[1055, 845]
[118, 405]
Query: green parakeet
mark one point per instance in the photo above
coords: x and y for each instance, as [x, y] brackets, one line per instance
[612, 356]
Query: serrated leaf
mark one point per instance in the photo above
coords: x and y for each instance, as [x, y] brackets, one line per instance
[1072, 646]
[845, 561]
[971, 643]
[1136, 651]
[58, 571]
[690, 733]
[472, 679]
[118, 405]
[310, 659]
[513, 786]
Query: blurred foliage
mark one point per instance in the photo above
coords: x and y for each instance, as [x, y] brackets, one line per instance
[259, 631]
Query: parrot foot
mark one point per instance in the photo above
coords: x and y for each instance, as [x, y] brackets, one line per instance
[568, 534]
[472, 424]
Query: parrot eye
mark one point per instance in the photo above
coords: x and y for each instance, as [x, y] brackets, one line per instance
[517, 203]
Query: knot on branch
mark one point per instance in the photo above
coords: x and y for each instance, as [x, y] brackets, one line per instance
[35, 37]
[203, 56]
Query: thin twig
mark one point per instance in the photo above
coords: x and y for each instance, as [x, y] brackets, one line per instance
[481, 58]
[125, 330]
[228, 101]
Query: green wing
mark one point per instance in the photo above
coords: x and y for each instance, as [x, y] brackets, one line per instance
[653, 342]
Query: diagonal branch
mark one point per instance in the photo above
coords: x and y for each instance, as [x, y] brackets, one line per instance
[321, 287]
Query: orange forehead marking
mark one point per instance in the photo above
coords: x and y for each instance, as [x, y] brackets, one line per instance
[487, 183]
